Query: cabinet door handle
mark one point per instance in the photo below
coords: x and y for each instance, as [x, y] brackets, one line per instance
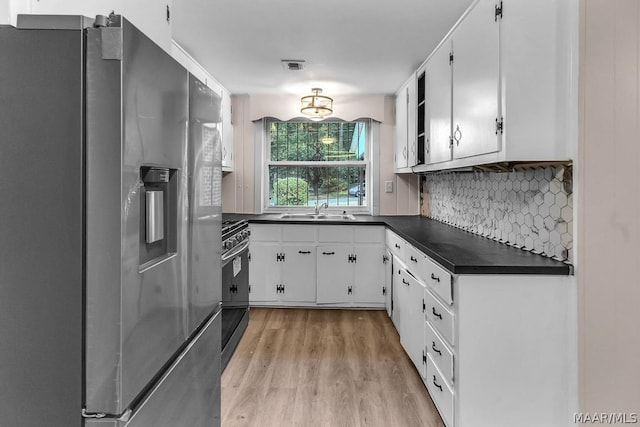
[413, 259]
[304, 252]
[435, 313]
[328, 253]
[457, 135]
[434, 348]
[436, 384]
[397, 246]
[405, 282]
[434, 277]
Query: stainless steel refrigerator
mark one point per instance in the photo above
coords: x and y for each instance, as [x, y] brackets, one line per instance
[110, 212]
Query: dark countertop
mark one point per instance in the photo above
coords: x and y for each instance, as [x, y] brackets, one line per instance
[456, 250]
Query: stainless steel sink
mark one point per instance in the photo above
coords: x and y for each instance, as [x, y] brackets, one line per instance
[318, 217]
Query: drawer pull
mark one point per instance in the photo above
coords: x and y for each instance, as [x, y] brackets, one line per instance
[435, 313]
[397, 246]
[436, 384]
[304, 252]
[434, 277]
[413, 259]
[328, 253]
[405, 282]
[434, 348]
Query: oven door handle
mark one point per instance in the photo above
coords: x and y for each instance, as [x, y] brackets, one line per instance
[236, 251]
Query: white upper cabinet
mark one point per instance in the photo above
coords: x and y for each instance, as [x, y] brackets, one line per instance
[509, 91]
[438, 99]
[227, 133]
[476, 78]
[400, 142]
[405, 138]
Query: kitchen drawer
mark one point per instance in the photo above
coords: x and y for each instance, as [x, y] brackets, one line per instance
[299, 233]
[440, 352]
[362, 234]
[395, 244]
[441, 394]
[440, 317]
[416, 262]
[335, 233]
[438, 279]
[265, 233]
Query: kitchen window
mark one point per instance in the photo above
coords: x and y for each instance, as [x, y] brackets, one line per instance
[311, 163]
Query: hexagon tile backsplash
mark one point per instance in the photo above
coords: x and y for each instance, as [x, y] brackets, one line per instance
[530, 209]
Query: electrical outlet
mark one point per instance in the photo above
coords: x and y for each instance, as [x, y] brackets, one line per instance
[388, 186]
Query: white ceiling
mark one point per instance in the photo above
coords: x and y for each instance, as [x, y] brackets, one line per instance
[350, 46]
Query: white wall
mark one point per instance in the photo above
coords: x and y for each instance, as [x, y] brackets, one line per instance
[238, 186]
[609, 210]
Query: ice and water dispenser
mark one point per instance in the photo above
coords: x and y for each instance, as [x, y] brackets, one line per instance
[158, 214]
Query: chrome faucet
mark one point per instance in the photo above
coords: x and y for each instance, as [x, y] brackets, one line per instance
[323, 205]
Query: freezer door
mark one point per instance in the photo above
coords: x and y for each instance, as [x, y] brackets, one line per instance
[205, 201]
[136, 308]
[188, 395]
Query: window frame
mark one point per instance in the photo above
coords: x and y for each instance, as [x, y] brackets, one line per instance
[266, 163]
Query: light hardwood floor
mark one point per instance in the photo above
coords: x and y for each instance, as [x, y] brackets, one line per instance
[305, 367]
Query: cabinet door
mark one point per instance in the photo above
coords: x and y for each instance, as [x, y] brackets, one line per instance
[388, 282]
[412, 123]
[299, 273]
[398, 293]
[369, 274]
[476, 82]
[438, 104]
[264, 271]
[402, 122]
[412, 321]
[227, 133]
[335, 274]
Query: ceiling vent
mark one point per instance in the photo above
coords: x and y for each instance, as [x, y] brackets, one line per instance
[292, 64]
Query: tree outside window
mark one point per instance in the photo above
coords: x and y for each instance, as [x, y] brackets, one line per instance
[311, 163]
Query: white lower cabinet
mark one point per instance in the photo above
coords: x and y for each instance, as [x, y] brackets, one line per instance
[297, 265]
[440, 391]
[498, 350]
[409, 303]
[264, 272]
[282, 273]
[298, 273]
[335, 275]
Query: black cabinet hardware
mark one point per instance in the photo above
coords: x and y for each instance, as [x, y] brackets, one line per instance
[434, 277]
[397, 246]
[328, 253]
[436, 384]
[349, 290]
[304, 252]
[405, 282]
[434, 348]
[413, 259]
[435, 313]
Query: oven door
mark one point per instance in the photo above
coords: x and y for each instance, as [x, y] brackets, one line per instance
[235, 289]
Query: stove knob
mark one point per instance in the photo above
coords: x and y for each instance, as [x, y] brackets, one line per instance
[245, 234]
[240, 237]
[227, 244]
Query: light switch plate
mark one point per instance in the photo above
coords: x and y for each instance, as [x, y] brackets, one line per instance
[388, 186]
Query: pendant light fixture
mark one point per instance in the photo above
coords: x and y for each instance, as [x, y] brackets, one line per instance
[316, 105]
